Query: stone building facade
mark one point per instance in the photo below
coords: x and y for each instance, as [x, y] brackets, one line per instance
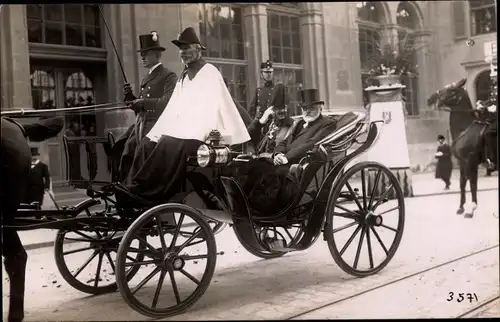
[54, 56]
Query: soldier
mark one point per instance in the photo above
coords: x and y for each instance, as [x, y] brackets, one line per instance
[265, 95]
[156, 89]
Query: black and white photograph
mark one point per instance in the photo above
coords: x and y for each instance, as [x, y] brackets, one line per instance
[249, 161]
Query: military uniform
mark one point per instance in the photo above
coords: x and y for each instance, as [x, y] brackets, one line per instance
[265, 95]
[156, 89]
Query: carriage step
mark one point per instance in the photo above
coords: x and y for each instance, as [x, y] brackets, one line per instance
[283, 249]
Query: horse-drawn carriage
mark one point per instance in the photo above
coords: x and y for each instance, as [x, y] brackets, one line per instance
[120, 228]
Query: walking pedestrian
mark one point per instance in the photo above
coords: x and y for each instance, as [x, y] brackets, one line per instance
[444, 163]
[39, 180]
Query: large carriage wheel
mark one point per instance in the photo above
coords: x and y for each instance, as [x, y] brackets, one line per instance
[179, 229]
[86, 258]
[367, 202]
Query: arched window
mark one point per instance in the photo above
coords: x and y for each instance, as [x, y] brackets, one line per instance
[64, 24]
[79, 91]
[483, 86]
[407, 21]
[285, 50]
[43, 89]
[221, 31]
[482, 17]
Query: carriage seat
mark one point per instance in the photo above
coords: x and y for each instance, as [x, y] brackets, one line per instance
[346, 124]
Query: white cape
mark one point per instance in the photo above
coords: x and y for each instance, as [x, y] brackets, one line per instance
[198, 106]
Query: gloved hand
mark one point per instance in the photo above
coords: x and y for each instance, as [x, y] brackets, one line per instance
[127, 91]
[267, 114]
[137, 105]
[280, 159]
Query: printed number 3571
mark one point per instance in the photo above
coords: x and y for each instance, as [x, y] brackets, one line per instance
[461, 297]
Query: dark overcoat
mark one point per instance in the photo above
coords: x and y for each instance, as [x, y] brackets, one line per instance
[39, 182]
[262, 141]
[300, 140]
[444, 163]
[267, 95]
[156, 90]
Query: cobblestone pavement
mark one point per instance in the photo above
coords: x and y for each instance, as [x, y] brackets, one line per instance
[245, 287]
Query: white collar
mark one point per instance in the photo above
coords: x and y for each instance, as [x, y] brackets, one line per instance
[153, 68]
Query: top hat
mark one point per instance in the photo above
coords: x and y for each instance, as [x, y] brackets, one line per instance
[440, 137]
[281, 97]
[188, 37]
[310, 97]
[150, 42]
[266, 65]
[34, 151]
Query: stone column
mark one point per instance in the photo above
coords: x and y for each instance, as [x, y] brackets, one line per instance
[14, 63]
[313, 48]
[256, 43]
[391, 148]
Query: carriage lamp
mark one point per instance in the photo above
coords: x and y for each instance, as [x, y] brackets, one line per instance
[212, 155]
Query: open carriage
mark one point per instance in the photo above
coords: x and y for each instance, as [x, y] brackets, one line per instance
[175, 241]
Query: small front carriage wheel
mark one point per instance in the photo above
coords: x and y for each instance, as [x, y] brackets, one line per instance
[85, 256]
[366, 206]
[181, 252]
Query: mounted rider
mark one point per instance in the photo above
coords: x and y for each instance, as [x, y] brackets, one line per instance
[157, 87]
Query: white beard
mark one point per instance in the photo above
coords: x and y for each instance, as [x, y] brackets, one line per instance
[310, 118]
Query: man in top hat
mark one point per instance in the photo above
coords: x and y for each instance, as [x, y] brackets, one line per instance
[274, 125]
[306, 132]
[199, 104]
[39, 181]
[265, 95]
[156, 89]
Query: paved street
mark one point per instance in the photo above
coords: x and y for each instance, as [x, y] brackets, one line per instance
[244, 287]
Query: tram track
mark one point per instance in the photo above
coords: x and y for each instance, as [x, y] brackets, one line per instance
[401, 279]
[477, 309]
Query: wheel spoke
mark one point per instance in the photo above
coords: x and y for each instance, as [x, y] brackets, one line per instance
[346, 215]
[83, 235]
[363, 188]
[158, 289]
[188, 257]
[86, 264]
[372, 195]
[135, 263]
[142, 239]
[336, 230]
[382, 197]
[380, 240]
[98, 270]
[174, 286]
[369, 243]
[392, 209]
[191, 277]
[160, 233]
[99, 236]
[349, 241]
[360, 245]
[77, 250]
[353, 194]
[108, 256]
[349, 211]
[288, 233]
[390, 228]
[145, 280]
[190, 239]
[176, 234]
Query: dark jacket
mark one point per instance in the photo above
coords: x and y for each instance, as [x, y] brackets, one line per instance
[156, 89]
[444, 165]
[267, 95]
[39, 181]
[259, 135]
[300, 140]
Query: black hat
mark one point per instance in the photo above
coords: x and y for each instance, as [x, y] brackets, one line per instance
[440, 137]
[266, 65]
[188, 37]
[281, 97]
[34, 151]
[309, 97]
[150, 42]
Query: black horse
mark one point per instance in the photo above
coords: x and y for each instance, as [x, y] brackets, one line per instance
[468, 128]
[15, 160]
